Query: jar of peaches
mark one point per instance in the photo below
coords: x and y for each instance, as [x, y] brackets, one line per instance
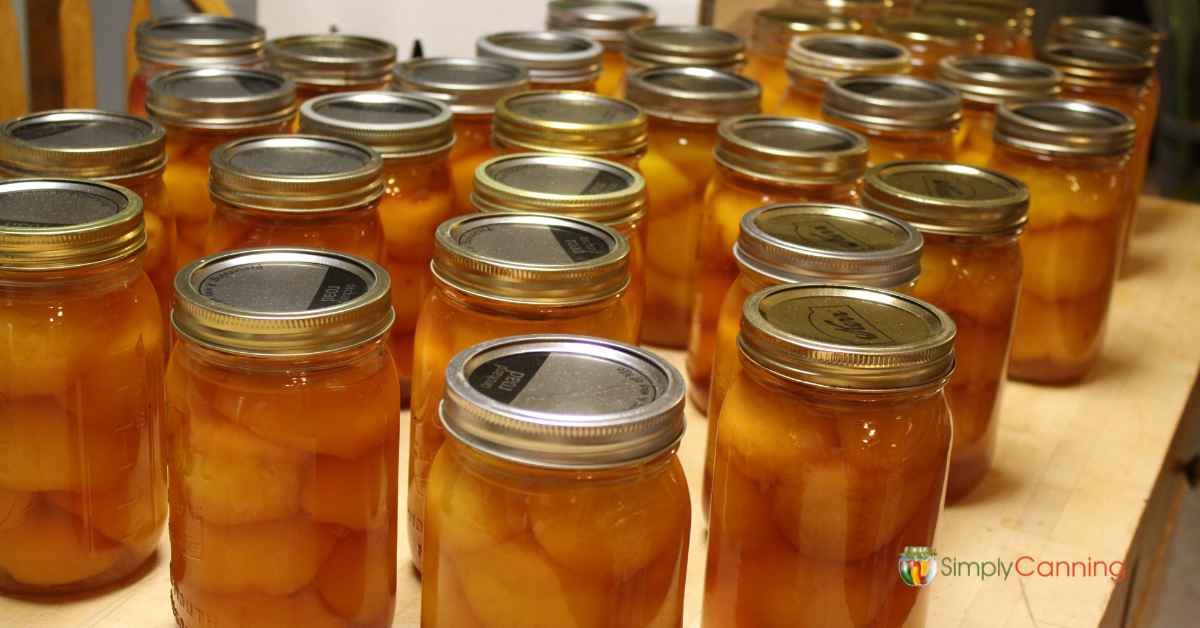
[805, 243]
[831, 457]
[333, 62]
[971, 269]
[1114, 32]
[1002, 28]
[774, 30]
[815, 60]
[200, 110]
[558, 498]
[760, 160]
[580, 123]
[1074, 157]
[605, 22]
[863, 11]
[683, 107]
[929, 39]
[985, 82]
[1021, 15]
[82, 492]
[903, 117]
[554, 60]
[191, 41]
[683, 46]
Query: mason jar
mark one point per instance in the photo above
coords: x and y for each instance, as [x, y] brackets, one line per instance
[580, 123]
[332, 62]
[605, 22]
[864, 11]
[816, 60]
[1004, 29]
[901, 116]
[683, 46]
[1021, 15]
[929, 39]
[767, 52]
[554, 60]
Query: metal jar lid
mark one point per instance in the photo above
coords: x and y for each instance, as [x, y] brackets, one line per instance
[532, 259]
[59, 224]
[929, 29]
[394, 124]
[1090, 64]
[995, 79]
[828, 57]
[821, 242]
[1106, 30]
[603, 21]
[691, 46]
[570, 122]
[564, 185]
[847, 337]
[85, 143]
[281, 302]
[470, 85]
[551, 57]
[791, 151]
[775, 27]
[946, 198]
[1066, 127]
[332, 60]
[295, 173]
[221, 98]
[199, 40]
[895, 103]
[699, 95]
[564, 402]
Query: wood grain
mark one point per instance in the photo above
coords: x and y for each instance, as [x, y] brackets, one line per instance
[78, 54]
[14, 98]
[140, 13]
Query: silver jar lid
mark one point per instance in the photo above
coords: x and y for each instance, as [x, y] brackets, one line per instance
[791, 151]
[1090, 64]
[199, 40]
[847, 337]
[84, 143]
[776, 27]
[1106, 30]
[1066, 127]
[995, 79]
[822, 242]
[691, 46]
[221, 98]
[828, 57]
[566, 185]
[894, 102]
[564, 402]
[295, 173]
[603, 21]
[280, 302]
[699, 95]
[570, 122]
[470, 85]
[551, 57]
[332, 60]
[947, 198]
[394, 124]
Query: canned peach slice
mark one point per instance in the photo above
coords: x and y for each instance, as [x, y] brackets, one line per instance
[987, 345]
[254, 610]
[768, 438]
[654, 600]
[1061, 264]
[187, 181]
[472, 514]
[744, 508]
[1063, 330]
[352, 493]
[211, 433]
[56, 453]
[130, 514]
[230, 490]
[409, 223]
[672, 186]
[782, 590]
[453, 610]
[674, 254]
[358, 581]
[406, 291]
[51, 548]
[462, 173]
[14, 506]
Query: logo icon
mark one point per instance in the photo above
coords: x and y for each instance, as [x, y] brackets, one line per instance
[918, 566]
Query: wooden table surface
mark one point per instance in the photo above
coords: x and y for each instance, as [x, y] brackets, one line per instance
[1074, 473]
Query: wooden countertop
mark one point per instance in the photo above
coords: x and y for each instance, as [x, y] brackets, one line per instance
[1076, 469]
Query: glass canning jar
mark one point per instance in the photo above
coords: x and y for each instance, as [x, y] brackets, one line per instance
[558, 498]
[767, 52]
[82, 492]
[1005, 30]
[332, 62]
[971, 269]
[683, 107]
[815, 60]
[605, 22]
[283, 432]
[498, 275]
[1074, 157]
[580, 123]
[191, 41]
[864, 11]
[1114, 32]
[760, 160]
[929, 39]
[683, 46]
[985, 82]
[831, 458]
[1021, 14]
[804, 243]
[554, 60]
[200, 110]
[903, 117]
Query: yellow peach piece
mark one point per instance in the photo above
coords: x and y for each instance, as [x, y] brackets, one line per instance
[740, 518]
[52, 548]
[470, 513]
[132, 514]
[187, 187]
[253, 610]
[39, 345]
[449, 607]
[156, 241]
[48, 450]
[1069, 262]
[410, 221]
[275, 557]
[210, 433]
[671, 244]
[1060, 331]
[937, 264]
[667, 187]
[767, 438]
[462, 173]
[358, 581]
[692, 157]
[653, 598]
[14, 505]
[782, 590]
[352, 493]
[407, 293]
[981, 352]
[232, 490]
[113, 388]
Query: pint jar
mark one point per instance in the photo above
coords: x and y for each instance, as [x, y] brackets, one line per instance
[579, 123]
[903, 117]
[929, 39]
[332, 62]
[683, 46]
[554, 60]
[605, 22]
[767, 52]
[815, 60]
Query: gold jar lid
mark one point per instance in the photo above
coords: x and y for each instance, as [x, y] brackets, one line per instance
[551, 57]
[85, 143]
[1065, 127]
[295, 173]
[534, 259]
[199, 40]
[1106, 30]
[564, 185]
[929, 29]
[823, 242]
[775, 27]
[570, 122]
[470, 85]
[893, 103]
[946, 198]
[690, 46]
[791, 151]
[847, 337]
[394, 124]
[828, 57]
[603, 21]
[995, 79]
[281, 302]
[60, 224]
[332, 60]
[221, 98]
[564, 402]
[697, 95]
[1089, 64]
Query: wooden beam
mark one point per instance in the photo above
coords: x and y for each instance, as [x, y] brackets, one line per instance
[78, 54]
[44, 55]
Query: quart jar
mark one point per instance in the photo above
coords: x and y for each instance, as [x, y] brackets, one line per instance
[1003, 29]
[1114, 32]
[903, 117]
[557, 501]
[1074, 157]
[1022, 15]
[804, 243]
[605, 22]
[498, 275]
[971, 269]
[580, 123]
[929, 39]
[191, 41]
[683, 107]
[683, 46]
[200, 110]
[471, 86]
[82, 492]
[831, 457]
[332, 62]
[767, 52]
[815, 60]
[554, 60]
[760, 160]
[985, 82]
[283, 432]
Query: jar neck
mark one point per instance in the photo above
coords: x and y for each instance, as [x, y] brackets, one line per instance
[459, 298]
[100, 277]
[512, 473]
[917, 135]
[375, 350]
[971, 241]
[349, 214]
[1061, 159]
[818, 189]
[658, 124]
[818, 395]
[418, 160]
